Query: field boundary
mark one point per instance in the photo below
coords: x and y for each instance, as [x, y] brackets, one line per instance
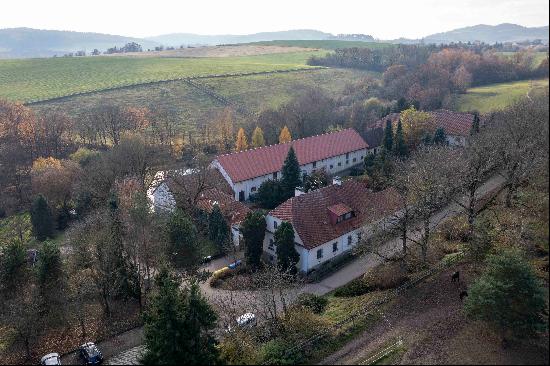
[186, 79]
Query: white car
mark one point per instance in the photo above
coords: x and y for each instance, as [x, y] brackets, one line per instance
[244, 321]
[51, 359]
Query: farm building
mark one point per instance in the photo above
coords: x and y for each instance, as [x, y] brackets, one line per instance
[331, 220]
[336, 152]
[457, 127]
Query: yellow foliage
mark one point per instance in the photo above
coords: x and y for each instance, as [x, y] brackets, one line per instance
[258, 137]
[43, 163]
[285, 135]
[415, 125]
[242, 142]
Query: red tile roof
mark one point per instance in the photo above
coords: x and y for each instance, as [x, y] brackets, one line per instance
[254, 163]
[454, 123]
[233, 211]
[309, 215]
[339, 209]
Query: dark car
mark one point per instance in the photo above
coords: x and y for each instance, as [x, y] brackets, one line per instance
[91, 354]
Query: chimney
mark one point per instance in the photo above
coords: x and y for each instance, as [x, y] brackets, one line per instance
[298, 191]
[337, 181]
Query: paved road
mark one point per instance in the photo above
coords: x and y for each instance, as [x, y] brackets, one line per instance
[131, 342]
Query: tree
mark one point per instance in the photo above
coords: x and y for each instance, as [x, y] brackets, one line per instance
[242, 142]
[388, 137]
[218, 230]
[253, 230]
[13, 266]
[509, 296]
[317, 179]
[258, 137]
[290, 174]
[285, 136]
[41, 218]
[270, 194]
[440, 137]
[475, 124]
[179, 324]
[182, 239]
[287, 256]
[415, 124]
[400, 146]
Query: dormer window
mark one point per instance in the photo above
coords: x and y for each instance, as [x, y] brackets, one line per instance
[339, 213]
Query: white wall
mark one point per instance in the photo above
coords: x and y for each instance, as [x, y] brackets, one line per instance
[162, 199]
[456, 140]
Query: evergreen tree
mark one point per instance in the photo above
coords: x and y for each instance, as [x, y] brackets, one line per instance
[253, 230]
[400, 146]
[427, 139]
[509, 296]
[475, 124]
[388, 136]
[182, 239]
[178, 325]
[440, 137]
[13, 266]
[50, 269]
[242, 142]
[290, 174]
[287, 256]
[41, 218]
[270, 194]
[218, 230]
[285, 136]
[258, 139]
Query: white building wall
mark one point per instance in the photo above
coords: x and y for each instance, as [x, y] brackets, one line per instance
[162, 199]
[456, 140]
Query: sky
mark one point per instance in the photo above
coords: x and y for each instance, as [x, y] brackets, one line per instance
[383, 19]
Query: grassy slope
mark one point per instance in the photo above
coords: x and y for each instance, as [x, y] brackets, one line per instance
[195, 108]
[33, 79]
[323, 44]
[497, 96]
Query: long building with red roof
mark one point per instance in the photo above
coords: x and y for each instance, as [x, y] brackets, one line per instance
[335, 152]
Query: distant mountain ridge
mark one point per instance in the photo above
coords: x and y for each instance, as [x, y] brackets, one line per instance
[28, 42]
[490, 34]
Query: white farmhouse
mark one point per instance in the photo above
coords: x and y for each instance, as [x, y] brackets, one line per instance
[330, 221]
[335, 152]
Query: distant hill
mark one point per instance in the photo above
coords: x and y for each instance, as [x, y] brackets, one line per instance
[490, 34]
[178, 39]
[28, 42]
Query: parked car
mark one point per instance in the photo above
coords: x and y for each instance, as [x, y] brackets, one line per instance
[207, 259]
[235, 264]
[51, 359]
[90, 354]
[245, 321]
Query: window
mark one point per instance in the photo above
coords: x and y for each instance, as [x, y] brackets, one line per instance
[275, 175]
[314, 164]
[359, 237]
[271, 258]
[340, 219]
[347, 162]
[320, 253]
[335, 247]
[331, 166]
[347, 155]
[354, 160]
[339, 163]
[271, 244]
[349, 240]
[362, 157]
[253, 189]
[348, 216]
[275, 225]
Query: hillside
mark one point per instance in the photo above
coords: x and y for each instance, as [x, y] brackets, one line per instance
[490, 34]
[177, 39]
[27, 42]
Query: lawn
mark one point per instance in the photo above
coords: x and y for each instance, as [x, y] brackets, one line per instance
[38, 79]
[324, 44]
[497, 96]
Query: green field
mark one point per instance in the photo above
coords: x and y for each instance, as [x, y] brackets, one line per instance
[324, 44]
[537, 57]
[38, 79]
[497, 96]
[194, 108]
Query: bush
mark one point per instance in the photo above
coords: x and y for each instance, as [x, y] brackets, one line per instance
[455, 229]
[316, 304]
[274, 352]
[357, 287]
[386, 276]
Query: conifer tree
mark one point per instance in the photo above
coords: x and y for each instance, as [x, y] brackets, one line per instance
[253, 230]
[400, 146]
[41, 218]
[287, 256]
[475, 124]
[242, 142]
[182, 240]
[440, 137]
[290, 174]
[218, 230]
[258, 139]
[388, 136]
[285, 136]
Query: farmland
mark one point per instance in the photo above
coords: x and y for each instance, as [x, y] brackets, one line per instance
[255, 92]
[497, 96]
[38, 79]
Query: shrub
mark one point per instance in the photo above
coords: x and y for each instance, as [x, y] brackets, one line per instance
[386, 276]
[357, 287]
[316, 304]
[455, 228]
[274, 352]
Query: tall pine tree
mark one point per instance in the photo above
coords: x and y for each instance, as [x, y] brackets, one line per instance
[388, 137]
[41, 218]
[475, 124]
[253, 230]
[242, 142]
[400, 146]
[291, 174]
[285, 136]
[258, 139]
[440, 137]
[218, 230]
[287, 256]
